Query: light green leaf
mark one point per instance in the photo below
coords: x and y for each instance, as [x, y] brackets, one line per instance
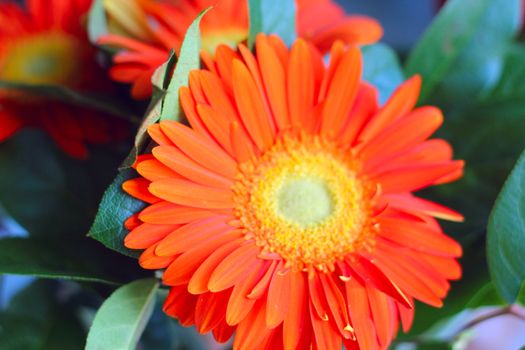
[122, 318]
[97, 21]
[382, 69]
[506, 235]
[160, 81]
[115, 208]
[188, 60]
[461, 52]
[272, 17]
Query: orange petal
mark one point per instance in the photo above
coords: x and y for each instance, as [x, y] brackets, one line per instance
[138, 188]
[151, 261]
[185, 192]
[185, 166]
[278, 297]
[342, 92]
[199, 281]
[401, 102]
[169, 213]
[325, 335]
[147, 234]
[210, 310]
[181, 305]
[188, 236]
[295, 318]
[201, 150]
[414, 204]
[251, 107]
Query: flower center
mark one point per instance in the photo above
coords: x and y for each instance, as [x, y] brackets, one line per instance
[50, 58]
[304, 200]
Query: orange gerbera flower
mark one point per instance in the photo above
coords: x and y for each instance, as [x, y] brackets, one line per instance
[150, 28]
[285, 211]
[46, 44]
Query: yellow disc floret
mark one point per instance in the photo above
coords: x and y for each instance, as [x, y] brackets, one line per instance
[304, 200]
[49, 58]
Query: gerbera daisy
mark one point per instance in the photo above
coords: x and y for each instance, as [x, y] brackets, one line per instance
[46, 44]
[285, 210]
[146, 30]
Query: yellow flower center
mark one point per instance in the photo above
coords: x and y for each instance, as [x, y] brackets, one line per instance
[50, 58]
[231, 37]
[304, 200]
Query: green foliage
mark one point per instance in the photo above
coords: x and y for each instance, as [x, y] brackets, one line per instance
[188, 60]
[506, 235]
[116, 206]
[122, 318]
[36, 320]
[96, 101]
[272, 17]
[461, 54]
[486, 296]
[63, 258]
[160, 80]
[47, 192]
[382, 69]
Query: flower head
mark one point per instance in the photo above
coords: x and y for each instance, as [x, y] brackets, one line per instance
[47, 45]
[151, 28]
[285, 210]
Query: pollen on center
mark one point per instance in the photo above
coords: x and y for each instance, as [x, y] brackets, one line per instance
[304, 200]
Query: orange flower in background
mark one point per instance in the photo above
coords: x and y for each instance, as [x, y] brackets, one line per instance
[146, 30]
[47, 45]
[285, 210]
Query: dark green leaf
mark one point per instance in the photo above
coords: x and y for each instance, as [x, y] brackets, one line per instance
[35, 320]
[189, 59]
[95, 101]
[272, 17]
[122, 318]
[382, 69]
[72, 258]
[48, 192]
[461, 53]
[164, 332]
[506, 235]
[116, 206]
[97, 21]
[521, 295]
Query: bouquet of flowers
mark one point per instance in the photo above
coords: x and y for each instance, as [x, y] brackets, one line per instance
[259, 174]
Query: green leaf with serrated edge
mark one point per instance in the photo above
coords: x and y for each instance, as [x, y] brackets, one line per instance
[382, 69]
[160, 81]
[97, 21]
[122, 318]
[70, 258]
[272, 17]
[189, 59]
[461, 51]
[116, 206]
[72, 97]
[506, 235]
[37, 319]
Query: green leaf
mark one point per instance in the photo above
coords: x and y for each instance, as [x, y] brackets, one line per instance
[115, 208]
[189, 59]
[272, 17]
[486, 296]
[382, 69]
[521, 295]
[461, 52]
[160, 81]
[506, 235]
[91, 100]
[79, 259]
[122, 318]
[97, 21]
[36, 320]
[47, 192]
